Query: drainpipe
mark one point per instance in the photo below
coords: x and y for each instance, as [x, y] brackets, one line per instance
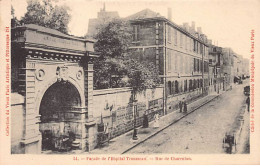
[164, 73]
[203, 53]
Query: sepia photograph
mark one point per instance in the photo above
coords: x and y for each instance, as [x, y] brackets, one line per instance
[124, 82]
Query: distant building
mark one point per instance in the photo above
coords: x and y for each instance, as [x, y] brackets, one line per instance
[102, 17]
[228, 62]
[234, 65]
[245, 67]
[216, 76]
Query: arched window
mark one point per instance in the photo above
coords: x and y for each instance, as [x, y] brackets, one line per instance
[173, 88]
[185, 85]
[176, 87]
[169, 88]
[181, 86]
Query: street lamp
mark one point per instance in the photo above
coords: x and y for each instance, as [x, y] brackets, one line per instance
[135, 111]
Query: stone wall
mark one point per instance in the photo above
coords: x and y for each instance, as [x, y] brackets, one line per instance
[116, 108]
[17, 123]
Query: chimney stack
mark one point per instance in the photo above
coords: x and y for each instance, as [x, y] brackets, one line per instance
[210, 41]
[186, 26]
[199, 30]
[193, 25]
[170, 14]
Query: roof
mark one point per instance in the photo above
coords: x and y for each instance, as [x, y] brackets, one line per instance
[146, 13]
[51, 31]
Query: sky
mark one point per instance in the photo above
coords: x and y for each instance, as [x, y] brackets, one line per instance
[227, 22]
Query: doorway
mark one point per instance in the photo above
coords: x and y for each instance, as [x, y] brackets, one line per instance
[60, 111]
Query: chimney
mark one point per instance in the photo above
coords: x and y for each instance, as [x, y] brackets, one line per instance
[170, 14]
[199, 30]
[193, 25]
[210, 41]
[190, 30]
[186, 26]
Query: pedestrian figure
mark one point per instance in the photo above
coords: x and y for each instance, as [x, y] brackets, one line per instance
[145, 120]
[248, 103]
[180, 106]
[156, 120]
[185, 107]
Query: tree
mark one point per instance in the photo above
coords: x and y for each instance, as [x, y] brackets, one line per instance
[109, 73]
[117, 62]
[14, 20]
[113, 39]
[141, 74]
[47, 15]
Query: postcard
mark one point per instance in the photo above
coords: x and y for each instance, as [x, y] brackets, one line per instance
[109, 82]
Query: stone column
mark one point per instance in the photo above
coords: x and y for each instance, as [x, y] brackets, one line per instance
[89, 125]
[31, 140]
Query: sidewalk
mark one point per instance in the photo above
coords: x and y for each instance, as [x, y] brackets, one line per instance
[124, 143]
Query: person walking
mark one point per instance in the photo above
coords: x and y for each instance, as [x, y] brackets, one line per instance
[156, 120]
[145, 120]
[248, 103]
[185, 108]
[180, 106]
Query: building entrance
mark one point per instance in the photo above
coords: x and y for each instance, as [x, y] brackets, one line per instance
[60, 110]
[53, 72]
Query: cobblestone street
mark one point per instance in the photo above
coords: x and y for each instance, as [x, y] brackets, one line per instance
[203, 131]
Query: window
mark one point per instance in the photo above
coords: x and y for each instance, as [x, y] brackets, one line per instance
[185, 86]
[181, 64]
[173, 88]
[175, 62]
[169, 88]
[169, 34]
[201, 66]
[176, 87]
[181, 86]
[190, 85]
[191, 65]
[181, 39]
[210, 61]
[136, 31]
[206, 66]
[186, 64]
[194, 45]
[186, 42]
[175, 37]
[191, 44]
[194, 64]
[194, 84]
[197, 47]
[201, 49]
[198, 65]
[169, 60]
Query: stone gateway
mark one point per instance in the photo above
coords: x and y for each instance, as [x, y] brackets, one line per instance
[52, 91]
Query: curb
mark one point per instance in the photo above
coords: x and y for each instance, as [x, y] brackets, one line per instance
[175, 121]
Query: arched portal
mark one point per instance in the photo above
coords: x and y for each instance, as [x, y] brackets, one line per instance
[60, 109]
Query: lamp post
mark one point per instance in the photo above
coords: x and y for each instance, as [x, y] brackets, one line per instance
[135, 110]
